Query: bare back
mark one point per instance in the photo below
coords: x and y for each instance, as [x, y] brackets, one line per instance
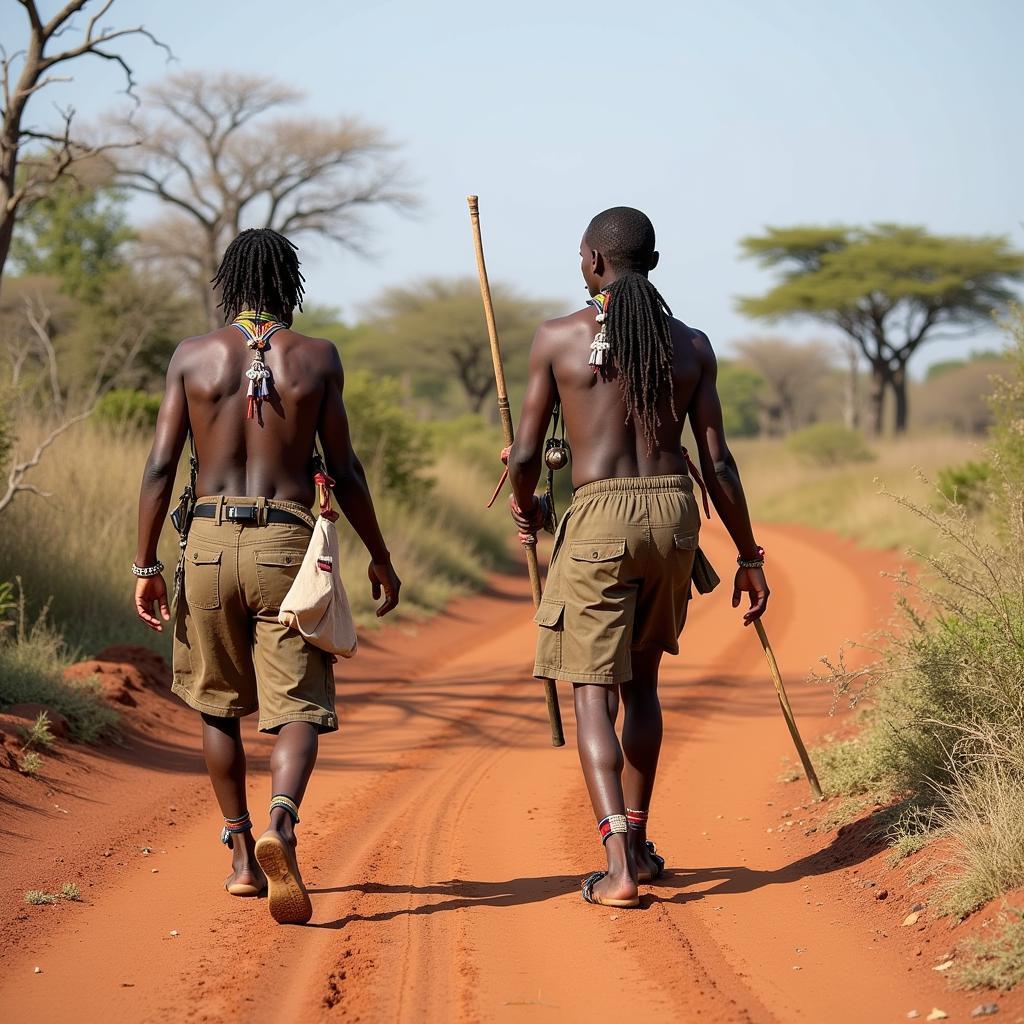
[247, 457]
[604, 442]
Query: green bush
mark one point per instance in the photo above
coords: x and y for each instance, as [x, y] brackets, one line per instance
[829, 444]
[738, 388]
[124, 407]
[392, 445]
[967, 484]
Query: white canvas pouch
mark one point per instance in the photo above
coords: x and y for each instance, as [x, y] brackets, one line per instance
[316, 604]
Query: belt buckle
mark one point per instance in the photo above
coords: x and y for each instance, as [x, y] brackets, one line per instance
[241, 513]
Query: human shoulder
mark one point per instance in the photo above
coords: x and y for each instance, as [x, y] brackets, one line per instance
[698, 341]
[189, 350]
[558, 327]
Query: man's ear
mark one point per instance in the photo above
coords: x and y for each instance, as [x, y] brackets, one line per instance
[655, 256]
[596, 263]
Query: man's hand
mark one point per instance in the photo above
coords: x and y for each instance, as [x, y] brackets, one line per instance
[528, 521]
[151, 602]
[752, 582]
[383, 577]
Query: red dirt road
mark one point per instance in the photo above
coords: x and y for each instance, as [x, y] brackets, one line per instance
[444, 841]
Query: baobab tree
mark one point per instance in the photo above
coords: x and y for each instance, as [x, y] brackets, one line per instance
[221, 156]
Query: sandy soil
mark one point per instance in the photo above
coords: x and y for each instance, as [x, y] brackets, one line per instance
[444, 840]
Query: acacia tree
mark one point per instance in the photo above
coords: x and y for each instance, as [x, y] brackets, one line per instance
[211, 152]
[889, 288]
[437, 326]
[33, 158]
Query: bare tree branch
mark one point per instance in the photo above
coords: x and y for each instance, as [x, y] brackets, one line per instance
[16, 136]
[209, 152]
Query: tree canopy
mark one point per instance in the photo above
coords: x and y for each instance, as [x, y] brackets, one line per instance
[889, 287]
[436, 329]
[221, 154]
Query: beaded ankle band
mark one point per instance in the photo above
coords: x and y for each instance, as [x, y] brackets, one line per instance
[235, 826]
[610, 825]
[636, 819]
[285, 803]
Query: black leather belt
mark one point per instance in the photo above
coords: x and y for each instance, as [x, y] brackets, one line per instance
[248, 514]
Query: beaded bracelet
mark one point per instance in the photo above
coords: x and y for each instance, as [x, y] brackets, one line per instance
[145, 571]
[752, 563]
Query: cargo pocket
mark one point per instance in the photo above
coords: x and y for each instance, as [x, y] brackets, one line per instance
[550, 613]
[550, 617]
[594, 566]
[275, 573]
[202, 579]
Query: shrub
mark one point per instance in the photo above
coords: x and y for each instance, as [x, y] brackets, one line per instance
[945, 728]
[739, 389]
[124, 407]
[967, 484]
[393, 446]
[829, 444]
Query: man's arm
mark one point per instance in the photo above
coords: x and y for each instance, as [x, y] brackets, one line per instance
[155, 493]
[351, 488]
[524, 461]
[718, 467]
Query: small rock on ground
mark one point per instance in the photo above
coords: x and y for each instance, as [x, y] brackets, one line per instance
[985, 1010]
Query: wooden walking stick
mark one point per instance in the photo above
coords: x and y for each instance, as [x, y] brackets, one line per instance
[787, 711]
[505, 414]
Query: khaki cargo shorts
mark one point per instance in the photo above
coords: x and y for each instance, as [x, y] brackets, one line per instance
[619, 578]
[231, 655]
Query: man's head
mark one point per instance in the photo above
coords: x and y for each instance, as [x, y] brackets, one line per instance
[260, 271]
[616, 242]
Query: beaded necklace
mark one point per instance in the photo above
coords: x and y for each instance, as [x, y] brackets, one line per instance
[600, 345]
[257, 328]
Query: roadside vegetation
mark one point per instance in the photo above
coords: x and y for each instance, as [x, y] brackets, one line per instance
[942, 703]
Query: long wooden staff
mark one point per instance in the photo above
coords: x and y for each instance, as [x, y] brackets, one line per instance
[787, 711]
[505, 414]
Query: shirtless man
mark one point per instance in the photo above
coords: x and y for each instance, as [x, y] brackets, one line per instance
[255, 446]
[627, 374]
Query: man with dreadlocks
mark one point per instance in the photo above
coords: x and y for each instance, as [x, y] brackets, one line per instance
[626, 374]
[254, 394]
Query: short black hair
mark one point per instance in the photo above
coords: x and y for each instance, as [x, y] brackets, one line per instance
[260, 271]
[624, 237]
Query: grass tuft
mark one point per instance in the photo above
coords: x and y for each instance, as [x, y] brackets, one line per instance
[70, 892]
[38, 736]
[30, 763]
[995, 961]
[38, 898]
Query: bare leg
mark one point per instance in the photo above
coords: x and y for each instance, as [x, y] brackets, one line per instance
[641, 745]
[601, 758]
[225, 763]
[291, 764]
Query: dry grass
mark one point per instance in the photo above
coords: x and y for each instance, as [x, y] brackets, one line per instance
[995, 961]
[847, 499]
[74, 548]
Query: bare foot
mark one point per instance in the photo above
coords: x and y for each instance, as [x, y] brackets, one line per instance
[246, 880]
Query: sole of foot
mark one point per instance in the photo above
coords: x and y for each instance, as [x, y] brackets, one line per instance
[289, 902]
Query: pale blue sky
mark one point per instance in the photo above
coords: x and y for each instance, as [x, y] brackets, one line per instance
[716, 119]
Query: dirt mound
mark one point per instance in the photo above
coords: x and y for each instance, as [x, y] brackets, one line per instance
[122, 672]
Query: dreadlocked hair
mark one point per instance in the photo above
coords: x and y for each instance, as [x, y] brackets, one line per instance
[260, 271]
[636, 325]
